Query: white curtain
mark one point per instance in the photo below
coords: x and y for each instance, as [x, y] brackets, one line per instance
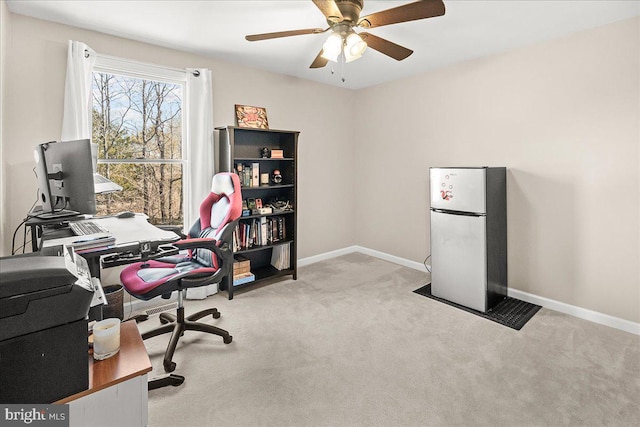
[200, 140]
[199, 153]
[76, 120]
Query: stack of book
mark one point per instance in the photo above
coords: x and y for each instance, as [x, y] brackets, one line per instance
[259, 232]
[249, 174]
[92, 242]
[242, 271]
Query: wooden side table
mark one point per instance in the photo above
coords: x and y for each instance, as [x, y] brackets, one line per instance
[117, 393]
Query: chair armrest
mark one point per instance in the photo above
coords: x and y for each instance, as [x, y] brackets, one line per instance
[199, 242]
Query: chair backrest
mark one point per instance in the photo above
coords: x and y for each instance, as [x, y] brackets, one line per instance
[224, 203]
[221, 207]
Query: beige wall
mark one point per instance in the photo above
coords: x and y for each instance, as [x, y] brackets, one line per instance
[36, 67]
[563, 117]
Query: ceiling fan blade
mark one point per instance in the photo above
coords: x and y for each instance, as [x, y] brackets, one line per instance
[391, 49]
[266, 36]
[409, 12]
[319, 62]
[330, 10]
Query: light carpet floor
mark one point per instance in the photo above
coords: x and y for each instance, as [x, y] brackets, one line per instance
[350, 344]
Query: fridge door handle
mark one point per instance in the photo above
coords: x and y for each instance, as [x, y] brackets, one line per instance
[444, 211]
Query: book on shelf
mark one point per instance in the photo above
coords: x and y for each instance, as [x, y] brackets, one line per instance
[243, 278]
[245, 174]
[255, 174]
[259, 232]
[263, 230]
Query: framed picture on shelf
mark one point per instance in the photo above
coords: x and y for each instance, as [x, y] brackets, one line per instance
[251, 117]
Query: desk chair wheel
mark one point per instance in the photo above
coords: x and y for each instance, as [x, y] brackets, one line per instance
[216, 315]
[169, 367]
[227, 340]
[140, 318]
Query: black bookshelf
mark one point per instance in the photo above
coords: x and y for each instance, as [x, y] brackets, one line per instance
[244, 146]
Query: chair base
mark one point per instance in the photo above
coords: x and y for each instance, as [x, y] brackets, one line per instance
[165, 380]
[178, 324]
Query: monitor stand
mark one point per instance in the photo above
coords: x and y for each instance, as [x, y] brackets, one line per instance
[63, 213]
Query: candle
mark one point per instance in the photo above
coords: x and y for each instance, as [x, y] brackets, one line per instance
[106, 338]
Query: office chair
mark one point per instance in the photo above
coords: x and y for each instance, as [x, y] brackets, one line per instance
[209, 258]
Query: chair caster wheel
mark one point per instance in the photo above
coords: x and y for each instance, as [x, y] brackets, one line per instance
[216, 315]
[170, 367]
[228, 340]
[141, 318]
[163, 321]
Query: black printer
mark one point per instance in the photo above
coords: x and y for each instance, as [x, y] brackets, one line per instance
[44, 301]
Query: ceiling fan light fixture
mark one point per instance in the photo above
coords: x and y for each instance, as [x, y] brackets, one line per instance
[355, 45]
[332, 47]
[349, 58]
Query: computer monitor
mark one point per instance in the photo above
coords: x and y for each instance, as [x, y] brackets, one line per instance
[65, 177]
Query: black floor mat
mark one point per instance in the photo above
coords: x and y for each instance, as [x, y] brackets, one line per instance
[510, 312]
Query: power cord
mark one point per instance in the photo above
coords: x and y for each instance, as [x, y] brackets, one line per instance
[29, 216]
[425, 263]
[24, 236]
[13, 240]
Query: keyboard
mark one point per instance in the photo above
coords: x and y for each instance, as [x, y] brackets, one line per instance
[81, 228]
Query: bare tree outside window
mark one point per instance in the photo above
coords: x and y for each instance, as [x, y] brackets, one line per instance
[137, 124]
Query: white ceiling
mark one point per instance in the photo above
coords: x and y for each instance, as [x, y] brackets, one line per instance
[469, 29]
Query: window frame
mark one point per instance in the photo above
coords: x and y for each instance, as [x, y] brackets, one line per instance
[129, 68]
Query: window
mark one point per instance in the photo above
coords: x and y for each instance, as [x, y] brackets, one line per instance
[137, 113]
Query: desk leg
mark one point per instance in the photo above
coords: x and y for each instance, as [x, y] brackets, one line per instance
[35, 235]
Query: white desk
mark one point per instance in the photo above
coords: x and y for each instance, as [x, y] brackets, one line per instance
[128, 232]
[125, 230]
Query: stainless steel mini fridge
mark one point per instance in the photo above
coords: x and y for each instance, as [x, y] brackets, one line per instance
[469, 235]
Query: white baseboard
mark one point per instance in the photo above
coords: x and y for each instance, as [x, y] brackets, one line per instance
[327, 255]
[352, 249]
[582, 313]
[572, 310]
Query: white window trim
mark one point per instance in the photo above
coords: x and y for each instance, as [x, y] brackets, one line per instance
[127, 67]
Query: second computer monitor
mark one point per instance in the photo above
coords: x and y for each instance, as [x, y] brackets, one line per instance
[68, 168]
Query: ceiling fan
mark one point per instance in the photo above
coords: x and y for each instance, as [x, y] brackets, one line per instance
[344, 15]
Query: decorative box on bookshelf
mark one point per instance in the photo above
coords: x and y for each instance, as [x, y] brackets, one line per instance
[241, 265]
[277, 154]
[266, 235]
